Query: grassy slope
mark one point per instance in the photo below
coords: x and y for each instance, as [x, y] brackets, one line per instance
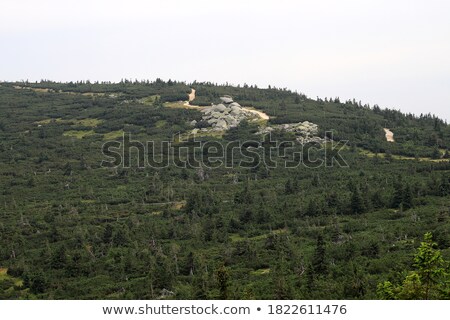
[54, 194]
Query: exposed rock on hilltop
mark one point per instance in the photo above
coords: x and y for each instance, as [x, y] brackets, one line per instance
[226, 99]
[305, 131]
[225, 115]
[228, 114]
[306, 128]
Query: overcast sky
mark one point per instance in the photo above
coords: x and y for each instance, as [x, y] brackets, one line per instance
[387, 52]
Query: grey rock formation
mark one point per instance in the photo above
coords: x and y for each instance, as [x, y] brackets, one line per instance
[305, 132]
[221, 125]
[225, 115]
[226, 99]
[219, 108]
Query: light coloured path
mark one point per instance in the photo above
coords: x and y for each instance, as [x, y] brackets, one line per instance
[389, 135]
[260, 114]
[192, 95]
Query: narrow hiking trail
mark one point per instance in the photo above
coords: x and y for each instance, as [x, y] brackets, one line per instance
[389, 135]
[192, 95]
[260, 114]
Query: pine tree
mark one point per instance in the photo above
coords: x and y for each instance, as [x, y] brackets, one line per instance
[436, 154]
[296, 186]
[398, 194]
[223, 276]
[244, 196]
[318, 262]
[283, 287]
[246, 214]
[312, 208]
[288, 187]
[445, 186]
[315, 181]
[59, 258]
[38, 283]
[357, 202]
[388, 156]
[407, 197]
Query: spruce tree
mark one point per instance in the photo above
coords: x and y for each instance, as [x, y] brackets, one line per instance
[223, 276]
[318, 261]
[407, 197]
[357, 202]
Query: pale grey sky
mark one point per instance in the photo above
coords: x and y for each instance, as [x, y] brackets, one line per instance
[392, 53]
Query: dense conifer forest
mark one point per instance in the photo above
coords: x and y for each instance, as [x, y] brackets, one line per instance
[72, 228]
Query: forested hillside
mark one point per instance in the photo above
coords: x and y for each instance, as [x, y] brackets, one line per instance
[71, 228]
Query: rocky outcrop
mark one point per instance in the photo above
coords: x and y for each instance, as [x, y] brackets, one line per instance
[225, 115]
[228, 114]
[306, 128]
[305, 131]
